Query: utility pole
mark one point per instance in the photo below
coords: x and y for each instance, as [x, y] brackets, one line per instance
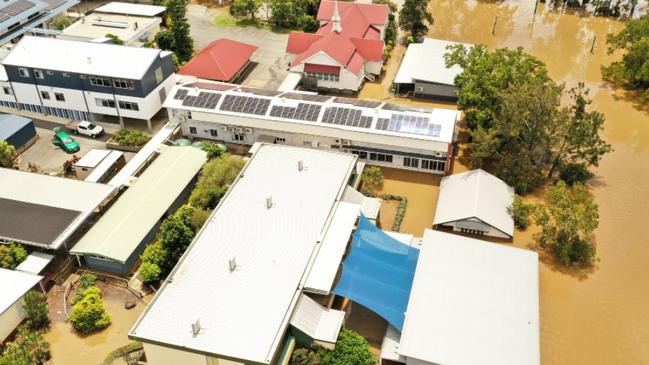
[592, 47]
[493, 29]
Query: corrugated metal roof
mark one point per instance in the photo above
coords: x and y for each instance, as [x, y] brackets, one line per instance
[35, 262]
[473, 302]
[318, 322]
[117, 7]
[120, 230]
[220, 60]
[13, 285]
[245, 312]
[478, 194]
[10, 124]
[425, 62]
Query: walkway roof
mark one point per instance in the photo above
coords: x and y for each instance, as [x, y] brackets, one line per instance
[473, 302]
[244, 312]
[475, 194]
[121, 230]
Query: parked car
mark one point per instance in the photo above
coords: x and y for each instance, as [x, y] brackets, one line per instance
[64, 141]
[85, 128]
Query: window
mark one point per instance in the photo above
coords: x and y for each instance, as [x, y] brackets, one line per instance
[65, 74]
[280, 140]
[127, 105]
[38, 74]
[214, 133]
[99, 81]
[382, 157]
[23, 72]
[123, 84]
[45, 95]
[323, 77]
[7, 90]
[59, 97]
[433, 165]
[158, 75]
[49, 72]
[306, 143]
[411, 162]
[192, 130]
[238, 136]
[106, 103]
[189, 115]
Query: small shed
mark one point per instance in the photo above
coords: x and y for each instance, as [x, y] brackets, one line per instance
[99, 165]
[423, 70]
[475, 202]
[222, 60]
[17, 131]
[13, 286]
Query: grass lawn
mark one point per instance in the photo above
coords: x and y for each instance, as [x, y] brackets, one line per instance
[226, 20]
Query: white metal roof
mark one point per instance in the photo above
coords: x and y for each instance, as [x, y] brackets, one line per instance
[35, 262]
[370, 207]
[117, 7]
[390, 345]
[318, 322]
[377, 111]
[472, 302]
[478, 194]
[97, 25]
[13, 285]
[244, 313]
[331, 251]
[104, 166]
[82, 57]
[425, 62]
[123, 227]
[92, 158]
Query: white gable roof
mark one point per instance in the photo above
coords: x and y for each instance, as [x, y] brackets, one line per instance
[82, 57]
[13, 285]
[425, 62]
[472, 302]
[318, 322]
[478, 194]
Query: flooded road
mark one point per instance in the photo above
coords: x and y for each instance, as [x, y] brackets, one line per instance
[599, 317]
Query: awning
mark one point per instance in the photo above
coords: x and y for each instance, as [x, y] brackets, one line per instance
[378, 273]
[319, 323]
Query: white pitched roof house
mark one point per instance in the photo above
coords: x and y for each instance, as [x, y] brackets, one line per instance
[13, 286]
[475, 202]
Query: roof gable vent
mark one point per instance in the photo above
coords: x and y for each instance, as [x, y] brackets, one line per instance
[300, 165]
[269, 202]
[232, 264]
[196, 327]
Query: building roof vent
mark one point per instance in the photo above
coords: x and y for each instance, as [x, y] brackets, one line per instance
[300, 165]
[232, 264]
[196, 327]
[269, 202]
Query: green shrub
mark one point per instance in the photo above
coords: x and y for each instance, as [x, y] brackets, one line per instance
[89, 313]
[212, 149]
[214, 181]
[150, 272]
[521, 212]
[351, 349]
[133, 346]
[115, 39]
[29, 348]
[35, 308]
[12, 255]
[372, 178]
[574, 172]
[7, 152]
[308, 23]
[60, 23]
[86, 280]
[304, 356]
[125, 137]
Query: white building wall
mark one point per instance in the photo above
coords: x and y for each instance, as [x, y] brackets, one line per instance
[26, 93]
[159, 355]
[11, 318]
[3, 96]
[73, 98]
[374, 67]
[347, 79]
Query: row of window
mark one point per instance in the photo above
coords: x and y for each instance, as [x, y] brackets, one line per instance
[373, 156]
[214, 133]
[110, 103]
[424, 163]
[45, 95]
[323, 77]
[94, 80]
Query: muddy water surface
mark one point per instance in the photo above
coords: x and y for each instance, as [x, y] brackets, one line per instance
[598, 317]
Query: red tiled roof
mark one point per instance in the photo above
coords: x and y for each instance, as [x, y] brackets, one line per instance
[220, 60]
[299, 42]
[358, 41]
[375, 14]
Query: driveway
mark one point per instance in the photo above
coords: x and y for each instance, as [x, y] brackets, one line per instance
[270, 61]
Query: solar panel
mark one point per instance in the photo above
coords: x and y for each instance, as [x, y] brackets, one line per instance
[405, 123]
[180, 94]
[204, 100]
[359, 103]
[260, 92]
[3, 17]
[306, 97]
[245, 104]
[303, 111]
[211, 86]
[17, 7]
[346, 116]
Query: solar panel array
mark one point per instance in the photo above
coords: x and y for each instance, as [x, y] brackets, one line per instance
[346, 116]
[180, 94]
[359, 103]
[17, 7]
[205, 100]
[405, 123]
[245, 104]
[303, 111]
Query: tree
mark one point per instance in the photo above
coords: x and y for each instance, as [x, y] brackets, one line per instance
[285, 13]
[60, 23]
[115, 39]
[175, 236]
[308, 23]
[212, 149]
[351, 349]
[215, 178]
[521, 212]
[150, 272]
[243, 8]
[372, 179]
[154, 259]
[183, 44]
[305, 356]
[35, 309]
[7, 153]
[29, 348]
[11, 255]
[89, 313]
[414, 16]
[165, 40]
[485, 73]
[633, 69]
[567, 223]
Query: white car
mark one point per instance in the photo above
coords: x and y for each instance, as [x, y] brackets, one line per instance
[85, 128]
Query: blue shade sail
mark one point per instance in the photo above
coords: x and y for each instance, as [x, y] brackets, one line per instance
[378, 273]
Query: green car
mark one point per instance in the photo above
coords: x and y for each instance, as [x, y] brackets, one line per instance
[64, 141]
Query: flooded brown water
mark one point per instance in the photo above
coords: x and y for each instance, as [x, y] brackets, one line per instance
[600, 316]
